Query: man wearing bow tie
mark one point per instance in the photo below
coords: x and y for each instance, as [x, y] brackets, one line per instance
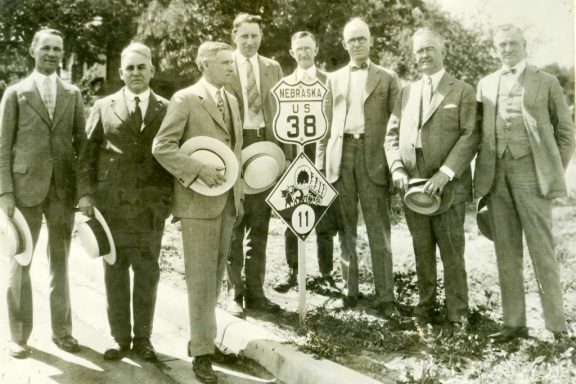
[358, 105]
[527, 142]
[133, 194]
[304, 51]
[432, 134]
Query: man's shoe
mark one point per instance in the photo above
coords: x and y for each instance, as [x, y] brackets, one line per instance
[289, 281]
[117, 351]
[507, 334]
[221, 357]
[202, 367]
[235, 308]
[388, 310]
[67, 343]
[261, 304]
[143, 348]
[19, 350]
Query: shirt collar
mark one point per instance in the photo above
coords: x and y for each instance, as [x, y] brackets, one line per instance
[241, 59]
[436, 77]
[142, 96]
[354, 64]
[520, 67]
[212, 89]
[310, 71]
[37, 76]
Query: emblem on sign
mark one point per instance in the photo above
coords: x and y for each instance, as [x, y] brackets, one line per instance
[302, 196]
[299, 116]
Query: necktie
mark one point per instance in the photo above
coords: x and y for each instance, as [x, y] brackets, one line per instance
[358, 67]
[137, 113]
[220, 101]
[48, 97]
[426, 93]
[254, 102]
[509, 71]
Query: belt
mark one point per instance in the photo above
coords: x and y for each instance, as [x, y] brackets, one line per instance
[355, 136]
[258, 132]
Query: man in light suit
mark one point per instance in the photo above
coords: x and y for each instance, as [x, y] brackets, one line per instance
[304, 50]
[358, 105]
[41, 136]
[527, 142]
[204, 109]
[254, 77]
[432, 134]
[133, 194]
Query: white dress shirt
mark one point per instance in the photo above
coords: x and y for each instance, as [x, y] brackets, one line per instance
[131, 104]
[39, 82]
[250, 120]
[301, 74]
[356, 91]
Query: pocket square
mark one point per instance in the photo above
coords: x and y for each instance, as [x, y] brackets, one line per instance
[450, 106]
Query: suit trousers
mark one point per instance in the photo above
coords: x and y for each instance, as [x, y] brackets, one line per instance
[355, 185]
[59, 216]
[447, 231]
[255, 222]
[141, 252]
[206, 244]
[326, 229]
[517, 207]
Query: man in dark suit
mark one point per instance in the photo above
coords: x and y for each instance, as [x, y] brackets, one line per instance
[133, 194]
[304, 50]
[358, 105]
[432, 134]
[254, 77]
[527, 142]
[41, 135]
[204, 109]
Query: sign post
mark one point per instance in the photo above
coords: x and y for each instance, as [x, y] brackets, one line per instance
[302, 194]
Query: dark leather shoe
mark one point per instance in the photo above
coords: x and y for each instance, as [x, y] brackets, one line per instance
[67, 343]
[117, 351]
[289, 281]
[18, 350]
[202, 367]
[235, 308]
[143, 348]
[388, 310]
[507, 334]
[262, 304]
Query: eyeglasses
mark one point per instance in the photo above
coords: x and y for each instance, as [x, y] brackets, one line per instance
[357, 40]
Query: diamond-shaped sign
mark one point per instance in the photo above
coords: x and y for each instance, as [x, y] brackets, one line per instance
[302, 196]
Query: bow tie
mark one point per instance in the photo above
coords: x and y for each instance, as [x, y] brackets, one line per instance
[509, 71]
[358, 67]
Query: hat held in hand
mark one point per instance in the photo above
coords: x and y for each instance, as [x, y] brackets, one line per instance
[15, 238]
[96, 238]
[262, 164]
[421, 202]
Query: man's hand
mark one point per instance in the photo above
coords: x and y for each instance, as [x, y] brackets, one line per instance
[400, 179]
[436, 183]
[211, 175]
[86, 205]
[8, 203]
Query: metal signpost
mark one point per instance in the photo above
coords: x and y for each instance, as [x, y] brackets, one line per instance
[302, 195]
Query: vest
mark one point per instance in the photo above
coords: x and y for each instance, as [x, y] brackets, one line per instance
[510, 129]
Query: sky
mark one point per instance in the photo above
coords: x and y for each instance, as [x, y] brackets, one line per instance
[548, 24]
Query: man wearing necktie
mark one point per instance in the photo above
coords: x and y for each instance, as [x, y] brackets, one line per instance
[432, 134]
[358, 105]
[133, 194]
[254, 77]
[204, 109]
[41, 136]
[304, 50]
[527, 142]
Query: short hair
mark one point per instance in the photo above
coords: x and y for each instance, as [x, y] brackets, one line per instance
[45, 31]
[244, 18]
[509, 28]
[301, 35]
[209, 50]
[429, 32]
[138, 48]
[356, 21]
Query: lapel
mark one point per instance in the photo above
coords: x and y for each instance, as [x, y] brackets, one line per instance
[490, 90]
[372, 80]
[120, 109]
[236, 86]
[531, 86]
[63, 97]
[32, 96]
[413, 104]
[154, 107]
[321, 76]
[266, 81]
[443, 89]
[342, 79]
[210, 106]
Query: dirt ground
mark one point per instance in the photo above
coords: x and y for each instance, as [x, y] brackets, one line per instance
[400, 349]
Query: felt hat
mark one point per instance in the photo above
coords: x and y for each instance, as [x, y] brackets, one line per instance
[262, 164]
[96, 238]
[420, 202]
[483, 218]
[211, 151]
[15, 237]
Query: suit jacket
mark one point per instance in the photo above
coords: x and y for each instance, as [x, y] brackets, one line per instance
[192, 112]
[381, 89]
[309, 149]
[449, 134]
[548, 124]
[132, 189]
[34, 149]
[270, 74]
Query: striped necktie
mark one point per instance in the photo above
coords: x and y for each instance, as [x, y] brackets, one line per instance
[48, 97]
[254, 102]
